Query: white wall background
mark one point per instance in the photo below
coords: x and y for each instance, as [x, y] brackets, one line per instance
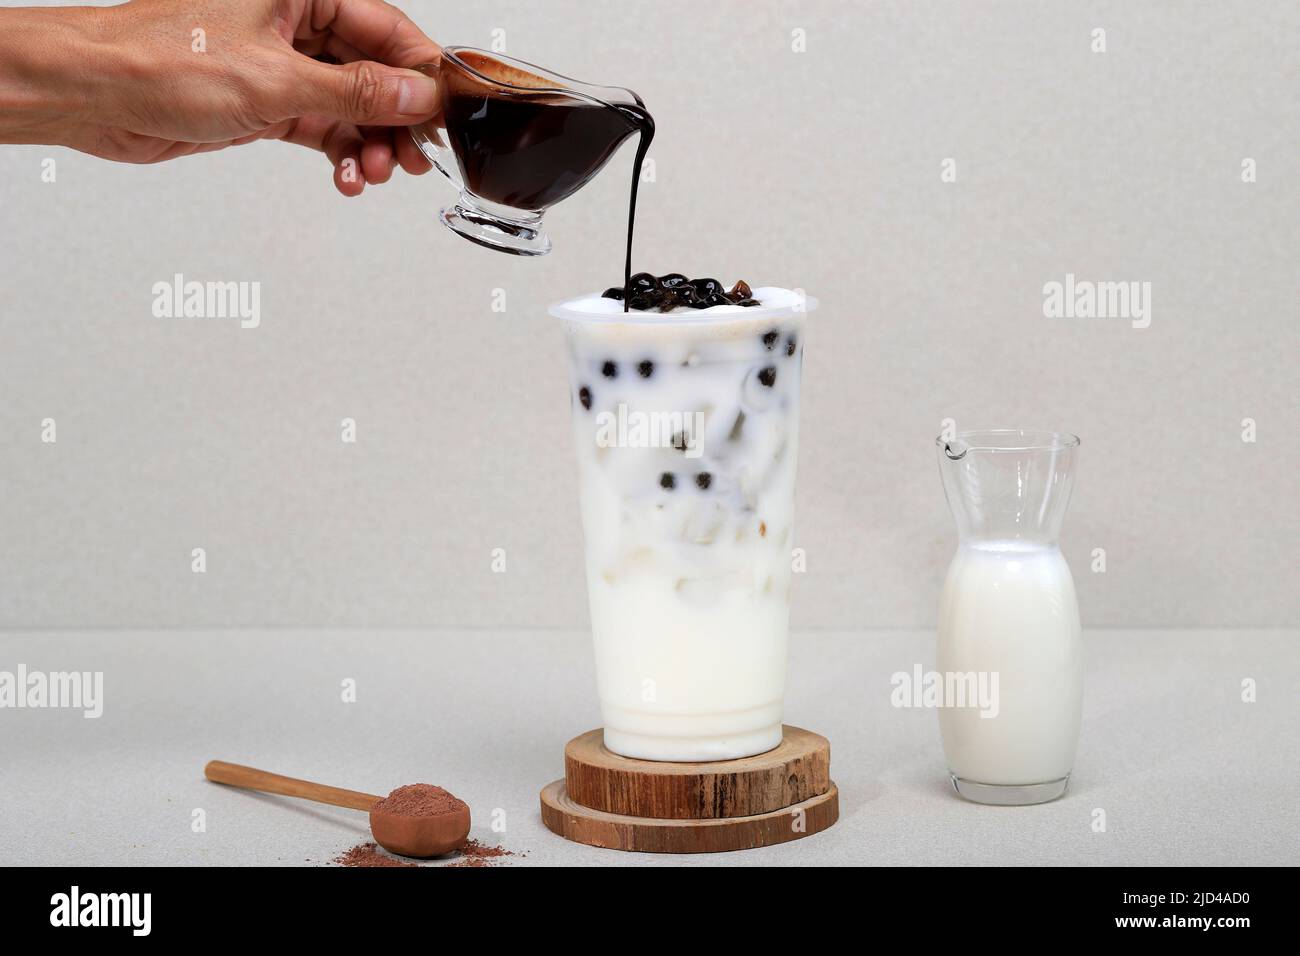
[818, 169]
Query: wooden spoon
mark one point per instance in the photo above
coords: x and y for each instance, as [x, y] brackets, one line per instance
[404, 835]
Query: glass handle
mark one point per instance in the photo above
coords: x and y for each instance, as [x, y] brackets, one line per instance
[431, 137]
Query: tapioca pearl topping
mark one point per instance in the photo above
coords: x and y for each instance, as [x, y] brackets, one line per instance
[646, 368]
[791, 345]
[769, 339]
[768, 376]
[584, 396]
[646, 292]
[704, 479]
[609, 370]
[643, 282]
[667, 480]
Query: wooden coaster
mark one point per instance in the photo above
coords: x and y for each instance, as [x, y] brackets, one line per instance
[659, 807]
[597, 828]
[796, 771]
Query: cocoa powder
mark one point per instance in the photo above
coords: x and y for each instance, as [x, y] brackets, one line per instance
[421, 800]
[472, 854]
[476, 850]
[369, 854]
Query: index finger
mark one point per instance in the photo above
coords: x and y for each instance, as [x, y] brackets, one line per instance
[379, 30]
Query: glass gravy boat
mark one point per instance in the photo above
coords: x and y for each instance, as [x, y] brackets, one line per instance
[515, 139]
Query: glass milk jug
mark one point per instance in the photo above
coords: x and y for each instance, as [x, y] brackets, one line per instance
[1009, 618]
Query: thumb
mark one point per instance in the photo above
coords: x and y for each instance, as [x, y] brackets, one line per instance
[366, 93]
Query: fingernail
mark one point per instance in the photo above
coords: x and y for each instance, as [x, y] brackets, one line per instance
[417, 96]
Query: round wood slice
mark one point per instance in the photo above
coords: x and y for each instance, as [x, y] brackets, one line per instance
[644, 834]
[798, 769]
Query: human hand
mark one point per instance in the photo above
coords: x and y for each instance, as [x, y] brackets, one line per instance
[152, 80]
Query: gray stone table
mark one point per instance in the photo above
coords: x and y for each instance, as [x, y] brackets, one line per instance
[1186, 772]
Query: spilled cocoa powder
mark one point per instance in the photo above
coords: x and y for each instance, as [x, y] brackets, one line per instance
[368, 854]
[473, 848]
[472, 854]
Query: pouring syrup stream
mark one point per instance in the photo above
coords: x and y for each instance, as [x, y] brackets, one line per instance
[645, 126]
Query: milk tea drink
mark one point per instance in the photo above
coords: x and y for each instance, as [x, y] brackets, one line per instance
[686, 424]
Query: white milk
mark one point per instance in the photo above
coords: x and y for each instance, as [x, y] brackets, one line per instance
[1011, 608]
[688, 575]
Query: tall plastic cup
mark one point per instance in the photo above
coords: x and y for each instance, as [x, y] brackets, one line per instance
[687, 432]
